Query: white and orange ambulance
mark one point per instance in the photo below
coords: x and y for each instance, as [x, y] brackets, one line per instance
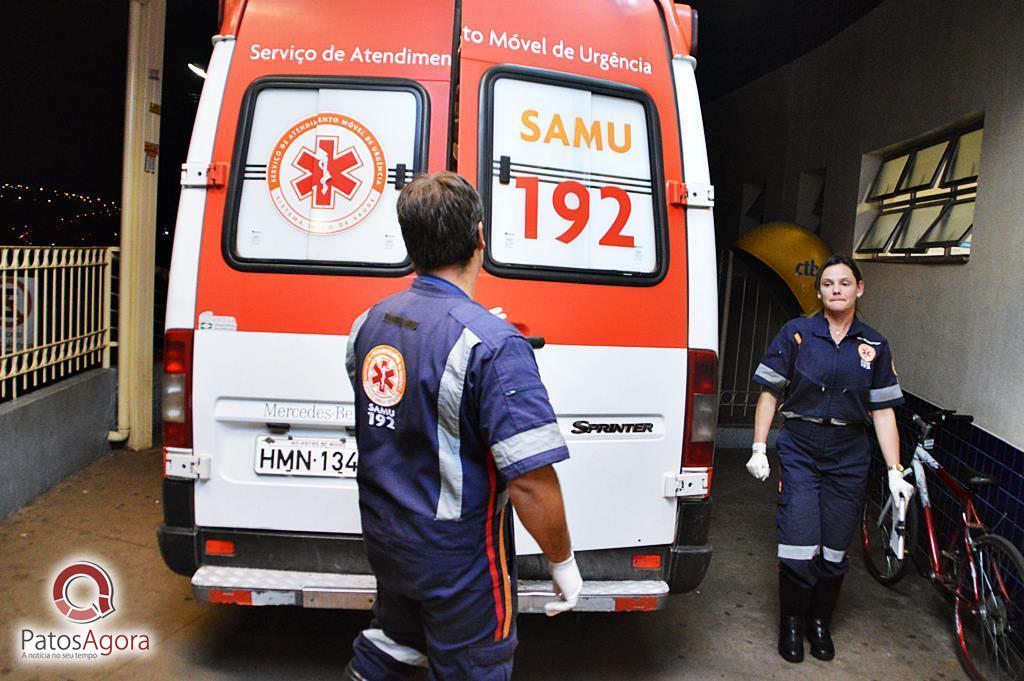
[581, 127]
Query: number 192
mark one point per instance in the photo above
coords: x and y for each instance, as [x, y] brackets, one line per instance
[578, 215]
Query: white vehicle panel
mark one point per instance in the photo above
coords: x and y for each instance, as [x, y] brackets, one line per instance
[181, 289]
[244, 381]
[701, 255]
[613, 483]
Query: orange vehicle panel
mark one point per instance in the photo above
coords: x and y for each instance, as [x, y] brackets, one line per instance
[576, 313]
[316, 303]
[564, 313]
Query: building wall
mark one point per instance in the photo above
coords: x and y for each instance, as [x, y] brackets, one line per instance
[54, 432]
[907, 68]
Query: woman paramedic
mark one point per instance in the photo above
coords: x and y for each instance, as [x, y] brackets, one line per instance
[835, 377]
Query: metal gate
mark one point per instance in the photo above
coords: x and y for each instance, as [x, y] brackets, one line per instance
[754, 308]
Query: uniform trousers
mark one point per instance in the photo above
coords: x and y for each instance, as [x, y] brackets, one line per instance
[450, 610]
[824, 470]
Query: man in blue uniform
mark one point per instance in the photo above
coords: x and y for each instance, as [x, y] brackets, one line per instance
[835, 377]
[453, 422]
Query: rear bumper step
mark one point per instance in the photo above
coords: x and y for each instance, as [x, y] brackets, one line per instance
[250, 586]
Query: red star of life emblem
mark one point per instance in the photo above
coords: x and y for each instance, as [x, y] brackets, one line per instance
[326, 171]
[383, 376]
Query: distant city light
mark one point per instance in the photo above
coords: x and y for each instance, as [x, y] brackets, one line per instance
[198, 70]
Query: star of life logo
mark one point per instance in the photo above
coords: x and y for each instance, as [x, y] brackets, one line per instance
[867, 355]
[327, 173]
[384, 376]
[82, 593]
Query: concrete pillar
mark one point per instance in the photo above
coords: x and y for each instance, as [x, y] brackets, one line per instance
[138, 221]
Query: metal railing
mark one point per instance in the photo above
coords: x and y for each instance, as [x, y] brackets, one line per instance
[55, 317]
[752, 313]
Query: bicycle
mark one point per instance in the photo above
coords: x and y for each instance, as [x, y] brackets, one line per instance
[981, 571]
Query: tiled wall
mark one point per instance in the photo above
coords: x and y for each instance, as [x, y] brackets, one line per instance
[1002, 508]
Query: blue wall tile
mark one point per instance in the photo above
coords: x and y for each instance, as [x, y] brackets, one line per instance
[966, 445]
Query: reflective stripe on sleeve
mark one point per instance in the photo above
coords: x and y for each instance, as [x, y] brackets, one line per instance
[526, 444]
[766, 373]
[833, 556]
[350, 347]
[403, 654]
[893, 392]
[449, 401]
[798, 552]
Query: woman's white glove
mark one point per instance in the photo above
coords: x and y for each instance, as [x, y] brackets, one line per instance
[568, 583]
[899, 487]
[757, 464]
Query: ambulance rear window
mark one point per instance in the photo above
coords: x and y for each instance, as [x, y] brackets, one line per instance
[317, 170]
[570, 174]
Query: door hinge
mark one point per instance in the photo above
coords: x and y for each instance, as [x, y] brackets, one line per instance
[199, 174]
[691, 195]
[689, 482]
[182, 464]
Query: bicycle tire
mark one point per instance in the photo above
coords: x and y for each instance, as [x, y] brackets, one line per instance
[989, 627]
[882, 564]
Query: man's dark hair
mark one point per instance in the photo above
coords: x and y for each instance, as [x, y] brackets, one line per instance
[439, 214]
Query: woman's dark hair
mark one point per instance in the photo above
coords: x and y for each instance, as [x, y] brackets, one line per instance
[838, 259]
[439, 214]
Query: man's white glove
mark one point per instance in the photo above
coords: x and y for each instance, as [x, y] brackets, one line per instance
[568, 583]
[757, 464]
[899, 487]
[498, 312]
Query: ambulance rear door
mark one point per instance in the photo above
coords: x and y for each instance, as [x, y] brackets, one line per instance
[570, 128]
[326, 116]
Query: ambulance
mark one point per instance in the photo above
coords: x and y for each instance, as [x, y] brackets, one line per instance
[580, 125]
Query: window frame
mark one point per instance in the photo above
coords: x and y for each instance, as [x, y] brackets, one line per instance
[948, 207]
[905, 223]
[229, 231]
[908, 199]
[903, 211]
[485, 176]
[903, 173]
[909, 169]
[945, 182]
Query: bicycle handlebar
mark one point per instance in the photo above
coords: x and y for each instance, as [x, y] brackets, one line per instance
[940, 417]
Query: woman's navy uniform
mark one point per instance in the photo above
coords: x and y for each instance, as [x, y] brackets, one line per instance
[828, 390]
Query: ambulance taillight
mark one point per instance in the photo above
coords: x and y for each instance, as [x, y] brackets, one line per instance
[177, 389]
[701, 409]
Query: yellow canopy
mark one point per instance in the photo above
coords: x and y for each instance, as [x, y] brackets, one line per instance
[791, 252]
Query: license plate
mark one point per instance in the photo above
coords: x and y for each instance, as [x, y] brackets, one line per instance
[306, 456]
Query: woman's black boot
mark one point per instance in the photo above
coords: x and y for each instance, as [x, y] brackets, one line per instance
[794, 600]
[823, 602]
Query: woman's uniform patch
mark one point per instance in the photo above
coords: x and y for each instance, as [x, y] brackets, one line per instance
[384, 376]
[867, 354]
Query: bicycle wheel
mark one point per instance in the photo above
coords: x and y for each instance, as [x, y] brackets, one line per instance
[876, 532]
[988, 617]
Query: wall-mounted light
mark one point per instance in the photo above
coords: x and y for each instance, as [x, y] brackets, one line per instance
[198, 70]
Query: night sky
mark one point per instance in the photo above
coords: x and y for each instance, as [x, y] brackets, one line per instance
[63, 80]
[63, 111]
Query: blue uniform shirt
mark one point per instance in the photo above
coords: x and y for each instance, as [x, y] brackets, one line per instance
[449, 407]
[820, 380]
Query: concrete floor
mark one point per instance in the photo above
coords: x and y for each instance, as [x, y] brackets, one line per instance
[725, 630]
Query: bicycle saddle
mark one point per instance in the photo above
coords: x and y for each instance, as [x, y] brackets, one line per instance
[977, 479]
